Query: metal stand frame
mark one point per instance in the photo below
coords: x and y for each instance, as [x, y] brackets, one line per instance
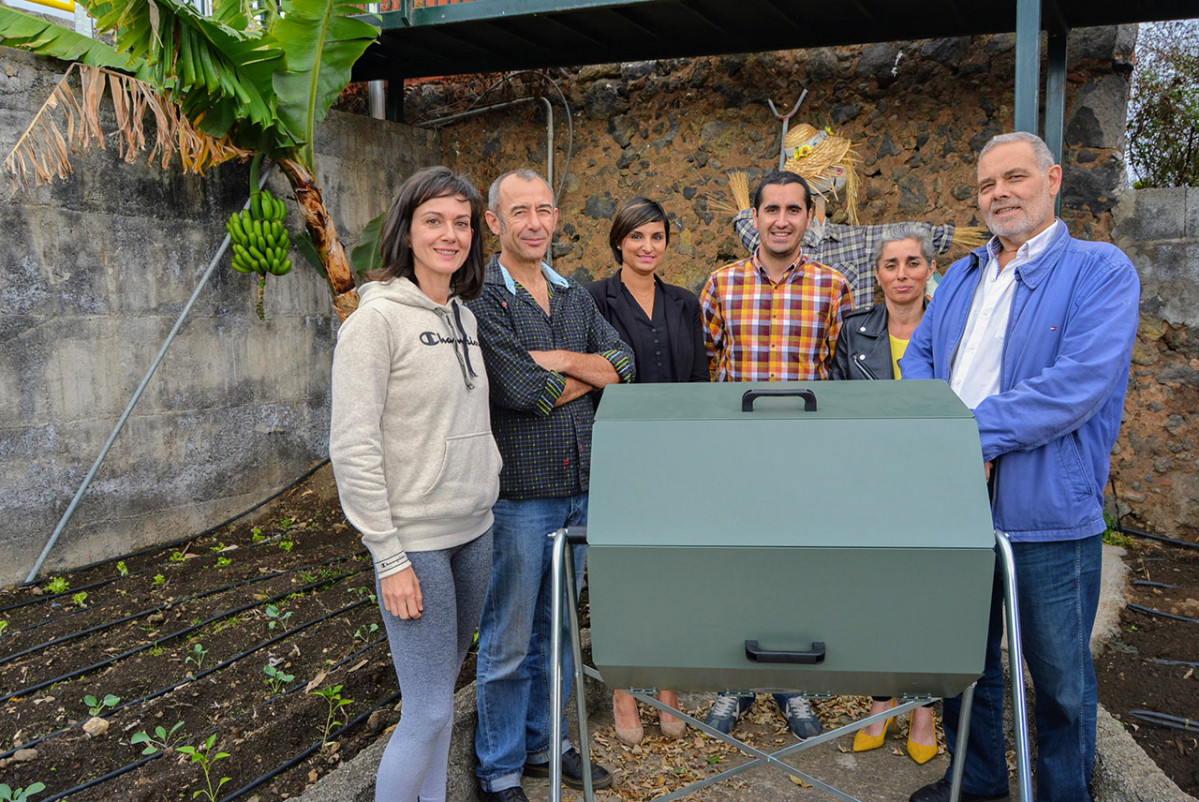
[564, 598]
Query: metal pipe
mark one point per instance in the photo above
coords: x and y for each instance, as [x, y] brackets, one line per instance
[1028, 63]
[576, 646]
[1016, 663]
[376, 90]
[549, 168]
[472, 112]
[963, 742]
[557, 599]
[137, 394]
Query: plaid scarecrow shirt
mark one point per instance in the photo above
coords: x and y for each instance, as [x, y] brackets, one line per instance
[546, 449]
[846, 249]
[756, 330]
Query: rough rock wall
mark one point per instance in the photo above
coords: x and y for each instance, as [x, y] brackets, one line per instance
[918, 113]
[96, 268]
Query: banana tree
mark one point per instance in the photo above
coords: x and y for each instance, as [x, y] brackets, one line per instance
[252, 77]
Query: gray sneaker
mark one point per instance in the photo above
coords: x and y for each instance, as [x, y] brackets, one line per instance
[800, 718]
[727, 709]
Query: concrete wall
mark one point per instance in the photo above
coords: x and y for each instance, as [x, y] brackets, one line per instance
[1159, 229]
[95, 271]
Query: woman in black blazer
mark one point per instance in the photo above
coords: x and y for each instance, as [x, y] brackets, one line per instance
[662, 324]
[660, 321]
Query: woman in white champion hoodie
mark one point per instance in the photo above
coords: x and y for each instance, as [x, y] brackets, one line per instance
[417, 468]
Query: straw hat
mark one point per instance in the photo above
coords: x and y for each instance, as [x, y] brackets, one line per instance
[826, 161]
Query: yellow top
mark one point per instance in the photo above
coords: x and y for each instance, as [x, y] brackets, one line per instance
[898, 346]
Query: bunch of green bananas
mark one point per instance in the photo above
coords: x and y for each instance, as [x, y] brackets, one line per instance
[260, 241]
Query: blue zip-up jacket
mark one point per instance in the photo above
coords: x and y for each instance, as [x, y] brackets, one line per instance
[1064, 375]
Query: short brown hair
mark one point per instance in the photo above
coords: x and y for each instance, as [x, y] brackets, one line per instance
[633, 215]
[396, 241]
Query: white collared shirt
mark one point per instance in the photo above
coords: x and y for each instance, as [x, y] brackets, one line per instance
[974, 374]
[551, 275]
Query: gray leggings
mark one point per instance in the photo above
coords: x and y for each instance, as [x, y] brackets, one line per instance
[428, 654]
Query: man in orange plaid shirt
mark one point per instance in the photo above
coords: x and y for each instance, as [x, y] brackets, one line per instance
[776, 315]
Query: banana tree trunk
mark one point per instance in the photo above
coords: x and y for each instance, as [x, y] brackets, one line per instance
[324, 236]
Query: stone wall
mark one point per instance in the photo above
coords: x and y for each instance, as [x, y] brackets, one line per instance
[918, 113]
[1156, 483]
[95, 271]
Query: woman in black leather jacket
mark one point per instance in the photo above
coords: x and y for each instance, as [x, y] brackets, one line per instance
[870, 345]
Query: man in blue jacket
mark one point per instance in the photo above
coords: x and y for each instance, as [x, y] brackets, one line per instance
[1034, 331]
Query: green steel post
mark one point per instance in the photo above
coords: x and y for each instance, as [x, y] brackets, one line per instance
[395, 99]
[1055, 97]
[1028, 63]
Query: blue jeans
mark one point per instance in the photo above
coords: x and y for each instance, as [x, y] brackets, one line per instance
[1057, 585]
[514, 638]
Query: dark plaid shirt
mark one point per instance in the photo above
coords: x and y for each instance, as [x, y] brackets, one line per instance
[546, 449]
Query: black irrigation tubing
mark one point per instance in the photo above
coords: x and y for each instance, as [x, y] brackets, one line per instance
[208, 531]
[1160, 661]
[65, 595]
[143, 761]
[275, 772]
[1145, 583]
[1161, 614]
[1166, 720]
[210, 670]
[149, 611]
[173, 635]
[1186, 544]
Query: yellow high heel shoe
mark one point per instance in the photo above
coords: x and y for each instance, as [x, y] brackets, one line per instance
[864, 743]
[922, 753]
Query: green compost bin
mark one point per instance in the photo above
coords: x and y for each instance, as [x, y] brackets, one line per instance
[844, 527]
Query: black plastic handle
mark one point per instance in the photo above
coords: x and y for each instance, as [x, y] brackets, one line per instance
[758, 655]
[809, 397]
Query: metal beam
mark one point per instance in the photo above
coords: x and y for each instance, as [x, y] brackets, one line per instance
[1055, 92]
[1028, 63]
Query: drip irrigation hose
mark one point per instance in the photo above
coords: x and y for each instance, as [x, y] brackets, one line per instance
[1173, 662]
[180, 541]
[210, 670]
[1166, 720]
[275, 772]
[175, 603]
[143, 761]
[1161, 614]
[226, 614]
[1145, 583]
[63, 595]
[1173, 541]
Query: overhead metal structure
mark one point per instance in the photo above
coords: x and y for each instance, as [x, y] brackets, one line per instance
[499, 35]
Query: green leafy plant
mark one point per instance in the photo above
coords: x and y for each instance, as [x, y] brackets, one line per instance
[286, 545]
[80, 598]
[58, 585]
[161, 740]
[159, 579]
[332, 697]
[178, 557]
[3, 626]
[97, 706]
[287, 523]
[224, 562]
[361, 592]
[1163, 108]
[198, 653]
[203, 755]
[276, 616]
[256, 534]
[122, 569]
[363, 634]
[218, 547]
[8, 794]
[276, 678]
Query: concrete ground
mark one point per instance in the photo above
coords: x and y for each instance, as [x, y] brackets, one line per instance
[1123, 772]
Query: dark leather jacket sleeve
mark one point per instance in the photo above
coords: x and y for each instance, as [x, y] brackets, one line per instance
[863, 347]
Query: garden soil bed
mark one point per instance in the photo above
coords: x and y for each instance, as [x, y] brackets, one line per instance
[300, 557]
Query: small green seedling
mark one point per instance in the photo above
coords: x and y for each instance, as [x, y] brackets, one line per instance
[286, 545]
[98, 706]
[178, 557]
[333, 697]
[198, 653]
[256, 534]
[277, 617]
[20, 794]
[223, 562]
[276, 679]
[122, 569]
[57, 585]
[80, 598]
[362, 592]
[218, 547]
[363, 633]
[161, 740]
[203, 755]
[3, 626]
[287, 523]
[159, 579]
